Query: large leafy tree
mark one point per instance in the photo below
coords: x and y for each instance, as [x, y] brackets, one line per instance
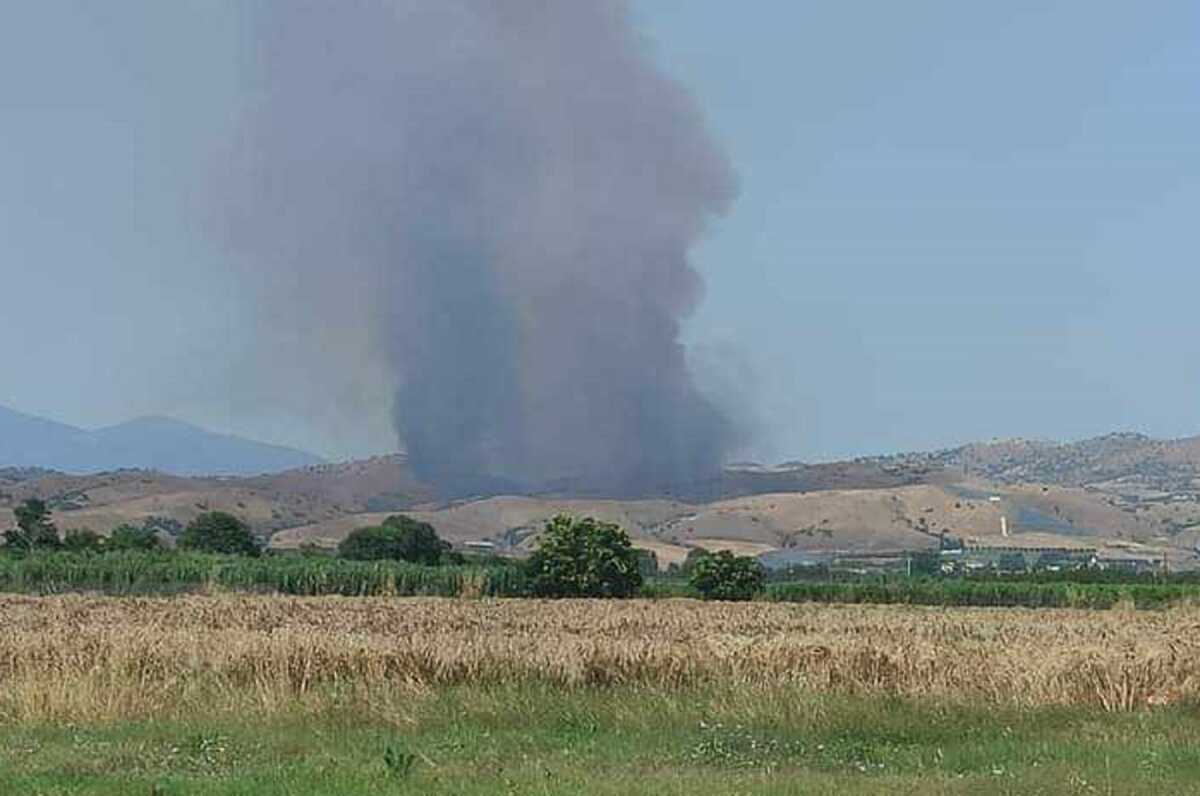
[218, 532]
[724, 576]
[584, 558]
[34, 531]
[399, 538]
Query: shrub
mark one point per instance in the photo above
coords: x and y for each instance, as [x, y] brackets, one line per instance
[83, 541]
[127, 537]
[218, 532]
[34, 529]
[584, 558]
[400, 538]
[724, 576]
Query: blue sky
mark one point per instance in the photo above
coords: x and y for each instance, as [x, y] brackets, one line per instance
[956, 221]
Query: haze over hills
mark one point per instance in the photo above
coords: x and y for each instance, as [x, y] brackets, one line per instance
[149, 443]
[1121, 489]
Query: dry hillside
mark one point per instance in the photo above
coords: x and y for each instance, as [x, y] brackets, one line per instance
[269, 502]
[868, 520]
[1124, 488]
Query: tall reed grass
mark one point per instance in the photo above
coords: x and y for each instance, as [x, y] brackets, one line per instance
[179, 572]
[140, 573]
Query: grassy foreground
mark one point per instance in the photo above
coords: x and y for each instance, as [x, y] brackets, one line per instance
[559, 740]
[259, 695]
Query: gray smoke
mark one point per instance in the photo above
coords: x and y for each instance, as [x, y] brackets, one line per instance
[506, 193]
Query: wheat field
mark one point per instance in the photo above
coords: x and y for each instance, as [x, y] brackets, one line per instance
[67, 657]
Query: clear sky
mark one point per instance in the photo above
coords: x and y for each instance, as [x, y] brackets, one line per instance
[956, 221]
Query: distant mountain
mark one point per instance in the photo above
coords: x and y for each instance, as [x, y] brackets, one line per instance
[27, 441]
[150, 443]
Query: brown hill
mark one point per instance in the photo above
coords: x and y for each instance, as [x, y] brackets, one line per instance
[1121, 487]
[268, 502]
[831, 521]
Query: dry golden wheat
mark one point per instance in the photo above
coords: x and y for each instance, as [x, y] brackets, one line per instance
[101, 657]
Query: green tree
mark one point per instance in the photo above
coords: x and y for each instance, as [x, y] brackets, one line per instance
[724, 576]
[128, 537]
[82, 541]
[399, 538]
[584, 558]
[218, 532]
[34, 530]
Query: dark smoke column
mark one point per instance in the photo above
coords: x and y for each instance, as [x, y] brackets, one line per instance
[508, 192]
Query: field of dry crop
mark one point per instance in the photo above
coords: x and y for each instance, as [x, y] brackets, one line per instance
[81, 657]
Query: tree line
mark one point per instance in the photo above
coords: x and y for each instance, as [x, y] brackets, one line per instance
[211, 532]
[575, 556]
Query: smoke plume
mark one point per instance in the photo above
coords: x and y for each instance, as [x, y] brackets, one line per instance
[505, 194]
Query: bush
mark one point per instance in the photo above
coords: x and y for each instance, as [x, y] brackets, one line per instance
[400, 538]
[127, 537]
[218, 532]
[83, 541]
[584, 558]
[724, 576]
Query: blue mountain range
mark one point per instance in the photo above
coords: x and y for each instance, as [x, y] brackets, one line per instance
[150, 443]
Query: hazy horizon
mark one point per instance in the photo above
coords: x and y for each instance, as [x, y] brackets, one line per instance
[953, 223]
[336, 458]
